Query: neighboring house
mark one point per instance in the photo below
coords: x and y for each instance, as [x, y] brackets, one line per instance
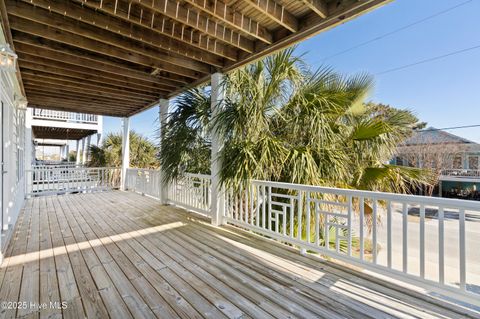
[455, 160]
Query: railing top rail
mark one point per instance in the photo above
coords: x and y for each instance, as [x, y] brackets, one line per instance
[404, 198]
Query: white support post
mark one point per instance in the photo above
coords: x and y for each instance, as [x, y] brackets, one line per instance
[29, 157]
[84, 150]
[67, 151]
[162, 115]
[89, 140]
[217, 193]
[125, 151]
[77, 153]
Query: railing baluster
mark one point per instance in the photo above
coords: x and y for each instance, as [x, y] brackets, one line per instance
[462, 249]
[422, 241]
[362, 217]
[300, 213]
[349, 225]
[441, 246]
[374, 231]
[405, 237]
[307, 217]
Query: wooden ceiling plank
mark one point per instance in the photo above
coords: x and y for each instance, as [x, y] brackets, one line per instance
[41, 64]
[318, 6]
[127, 29]
[276, 12]
[54, 79]
[234, 19]
[34, 95]
[124, 50]
[158, 24]
[53, 84]
[76, 26]
[51, 72]
[64, 53]
[176, 11]
[32, 88]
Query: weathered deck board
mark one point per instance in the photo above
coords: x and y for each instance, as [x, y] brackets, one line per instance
[121, 255]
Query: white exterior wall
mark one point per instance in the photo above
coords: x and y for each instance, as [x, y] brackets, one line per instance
[13, 133]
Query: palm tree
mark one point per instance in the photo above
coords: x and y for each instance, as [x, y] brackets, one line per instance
[284, 123]
[143, 152]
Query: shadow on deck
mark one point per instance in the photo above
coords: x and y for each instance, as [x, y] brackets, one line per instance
[122, 255]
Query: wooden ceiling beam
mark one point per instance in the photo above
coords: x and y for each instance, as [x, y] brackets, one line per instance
[68, 82]
[234, 19]
[117, 24]
[77, 26]
[55, 28]
[318, 6]
[176, 11]
[65, 53]
[33, 95]
[158, 24]
[276, 12]
[80, 79]
[41, 64]
[36, 86]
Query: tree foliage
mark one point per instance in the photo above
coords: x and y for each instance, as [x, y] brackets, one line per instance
[143, 152]
[282, 122]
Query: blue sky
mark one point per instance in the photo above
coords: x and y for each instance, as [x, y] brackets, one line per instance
[443, 93]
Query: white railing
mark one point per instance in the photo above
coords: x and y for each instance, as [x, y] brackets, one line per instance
[426, 241]
[64, 116]
[49, 180]
[461, 172]
[143, 181]
[192, 192]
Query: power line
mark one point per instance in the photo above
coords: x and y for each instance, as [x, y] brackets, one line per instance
[476, 47]
[449, 128]
[395, 31]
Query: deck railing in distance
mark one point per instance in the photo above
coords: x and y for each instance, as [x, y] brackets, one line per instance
[63, 116]
[47, 180]
[429, 242]
[461, 172]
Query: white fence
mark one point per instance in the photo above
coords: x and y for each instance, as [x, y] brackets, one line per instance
[426, 241]
[64, 116]
[191, 192]
[144, 181]
[461, 172]
[48, 180]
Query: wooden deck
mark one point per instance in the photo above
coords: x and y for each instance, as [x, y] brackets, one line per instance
[122, 255]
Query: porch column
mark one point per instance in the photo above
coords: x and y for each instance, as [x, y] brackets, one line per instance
[83, 150]
[125, 151]
[162, 115]
[29, 157]
[62, 152]
[87, 148]
[67, 151]
[77, 153]
[217, 194]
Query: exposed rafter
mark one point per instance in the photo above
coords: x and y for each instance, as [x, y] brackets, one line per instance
[175, 10]
[234, 19]
[276, 12]
[318, 6]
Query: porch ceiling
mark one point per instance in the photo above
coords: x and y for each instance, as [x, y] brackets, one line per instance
[60, 133]
[118, 57]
